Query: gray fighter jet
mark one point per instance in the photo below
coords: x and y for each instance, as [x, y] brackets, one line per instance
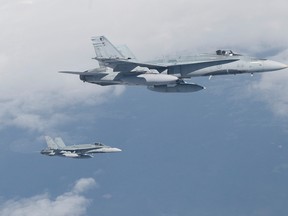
[58, 148]
[118, 66]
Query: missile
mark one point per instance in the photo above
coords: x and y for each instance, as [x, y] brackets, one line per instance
[70, 154]
[75, 155]
[185, 87]
[150, 79]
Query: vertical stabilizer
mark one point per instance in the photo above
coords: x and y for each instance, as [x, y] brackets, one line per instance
[59, 142]
[126, 52]
[105, 49]
[50, 143]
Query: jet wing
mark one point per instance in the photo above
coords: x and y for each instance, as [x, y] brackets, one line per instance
[124, 65]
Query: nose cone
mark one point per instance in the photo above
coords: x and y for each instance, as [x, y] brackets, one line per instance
[111, 150]
[106, 149]
[273, 65]
[115, 150]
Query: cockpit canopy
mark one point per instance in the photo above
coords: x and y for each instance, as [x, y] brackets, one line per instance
[226, 53]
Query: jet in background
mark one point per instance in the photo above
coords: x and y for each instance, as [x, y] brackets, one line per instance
[118, 66]
[58, 148]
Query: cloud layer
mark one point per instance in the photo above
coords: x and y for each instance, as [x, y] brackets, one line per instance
[33, 95]
[72, 203]
[272, 88]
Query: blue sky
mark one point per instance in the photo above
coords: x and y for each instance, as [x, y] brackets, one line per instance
[220, 151]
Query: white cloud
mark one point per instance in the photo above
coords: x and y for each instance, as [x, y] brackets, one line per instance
[72, 203]
[107, 196]
[43, 108]
[83, 185]
[272, 88]
[33, 95]
[26, 2]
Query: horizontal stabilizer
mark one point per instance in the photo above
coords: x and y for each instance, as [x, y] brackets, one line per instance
[87, 72]
[72, 72]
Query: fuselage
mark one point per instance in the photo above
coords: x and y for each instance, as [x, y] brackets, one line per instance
[79, 151]
[221, 63]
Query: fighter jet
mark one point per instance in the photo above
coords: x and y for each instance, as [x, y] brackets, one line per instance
[118, 66]
[57, 147]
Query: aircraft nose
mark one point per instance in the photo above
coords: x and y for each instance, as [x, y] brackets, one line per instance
[116, 150]
[274, 65]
